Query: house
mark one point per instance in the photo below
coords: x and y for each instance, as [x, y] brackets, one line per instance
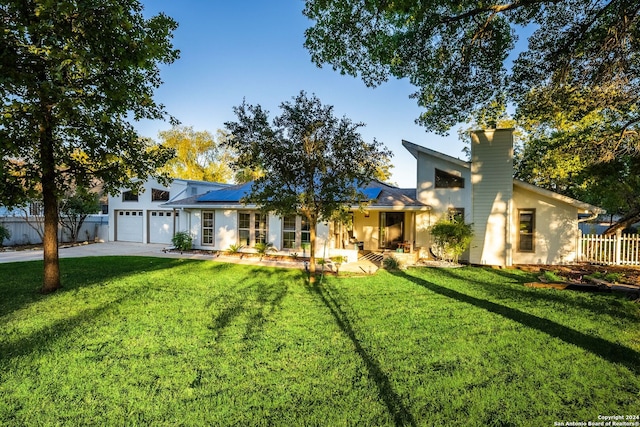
[140, 217]
[514, 222]
[218, 219]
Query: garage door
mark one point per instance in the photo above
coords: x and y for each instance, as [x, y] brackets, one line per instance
[129, 226]
[160, 226]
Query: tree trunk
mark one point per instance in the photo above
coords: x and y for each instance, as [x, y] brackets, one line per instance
[51, 279]
[313, 222]
[626, 221]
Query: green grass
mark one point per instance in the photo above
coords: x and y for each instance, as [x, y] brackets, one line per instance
[149, 341]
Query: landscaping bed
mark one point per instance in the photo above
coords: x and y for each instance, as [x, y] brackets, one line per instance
[581, 273]
[588, 278]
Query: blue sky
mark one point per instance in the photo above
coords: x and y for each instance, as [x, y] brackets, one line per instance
[253, 49]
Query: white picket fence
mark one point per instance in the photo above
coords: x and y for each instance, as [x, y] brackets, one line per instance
[623, 249]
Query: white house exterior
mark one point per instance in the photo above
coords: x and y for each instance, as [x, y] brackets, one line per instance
[217, 220]
[142, 218]
[514, 222]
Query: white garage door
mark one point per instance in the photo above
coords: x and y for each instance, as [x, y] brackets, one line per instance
[160, 226]
[129, 226]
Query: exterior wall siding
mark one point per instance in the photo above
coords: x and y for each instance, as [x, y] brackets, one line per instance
[556, 229]
[144, 204]
[367, 230]
[226, 230]
[492, 181]
[441, 199]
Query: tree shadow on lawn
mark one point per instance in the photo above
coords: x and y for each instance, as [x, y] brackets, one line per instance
[401, 414]
[49, 334]
[21, 281]
[41, 339]
[258, 299]
[514, 289]
[612, 352]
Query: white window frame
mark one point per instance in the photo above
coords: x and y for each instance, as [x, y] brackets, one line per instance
[302, 232]
[208, 228]
[531, 235]
[253, 234]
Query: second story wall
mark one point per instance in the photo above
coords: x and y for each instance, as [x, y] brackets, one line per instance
[452, 192]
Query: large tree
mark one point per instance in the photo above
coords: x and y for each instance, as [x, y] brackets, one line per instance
[314, 164]
[72, 77]
[577, 80]
[199, 155]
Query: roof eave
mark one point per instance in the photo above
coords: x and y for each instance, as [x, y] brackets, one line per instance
[566, 199]
[414, 149]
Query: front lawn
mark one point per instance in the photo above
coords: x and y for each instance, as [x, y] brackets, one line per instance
[152, 341]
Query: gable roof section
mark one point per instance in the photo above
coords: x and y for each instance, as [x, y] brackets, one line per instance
[552, 195]
[380, 196]
[414, 149]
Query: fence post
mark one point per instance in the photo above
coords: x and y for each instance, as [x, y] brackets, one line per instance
[618, 246]
[579, 246]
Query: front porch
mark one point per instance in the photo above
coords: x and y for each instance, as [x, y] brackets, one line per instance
[377, 234]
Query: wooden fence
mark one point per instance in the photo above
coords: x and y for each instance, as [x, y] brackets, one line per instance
[623, 249]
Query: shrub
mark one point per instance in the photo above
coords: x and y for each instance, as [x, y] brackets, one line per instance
[235, 248]
[337, 262]
[182, 240]
[451, 238]
[613, 277]
[391, 263]
[4, 234]
[263, 248]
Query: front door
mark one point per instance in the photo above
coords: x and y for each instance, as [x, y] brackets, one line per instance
[391, 229]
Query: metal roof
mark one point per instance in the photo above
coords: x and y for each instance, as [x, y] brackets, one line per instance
[376, 193]
[233, 193]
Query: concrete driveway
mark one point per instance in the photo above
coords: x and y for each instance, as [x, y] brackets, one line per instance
[93, 249]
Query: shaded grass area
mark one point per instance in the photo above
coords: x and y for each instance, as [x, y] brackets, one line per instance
[133, 340]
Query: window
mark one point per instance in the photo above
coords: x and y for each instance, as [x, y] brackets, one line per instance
[296, 231]
[36, 209]
[207, 227]
[448, 180]
[252, 228]
[129, 196]
[159, 195]
[289, 232]
[305, 231]
[527, 228]
[260, 227]
[456, 215]
[244, 229]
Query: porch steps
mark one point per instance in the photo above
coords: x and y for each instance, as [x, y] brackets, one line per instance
[373, 257]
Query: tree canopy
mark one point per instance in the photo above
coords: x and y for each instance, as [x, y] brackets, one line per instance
[199, 155]
[577, 82]
[314, 164]
[73, 76]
